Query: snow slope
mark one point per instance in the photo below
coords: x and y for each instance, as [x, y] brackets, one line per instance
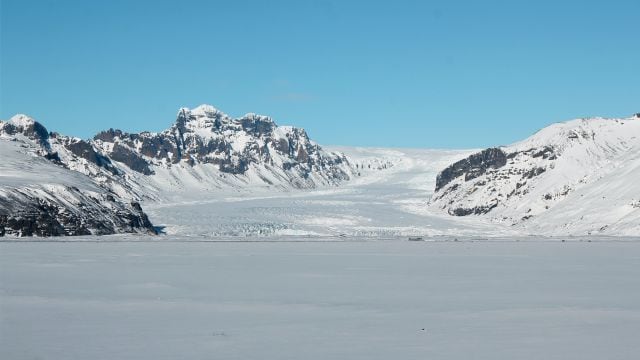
[38, 197]
[576, 177]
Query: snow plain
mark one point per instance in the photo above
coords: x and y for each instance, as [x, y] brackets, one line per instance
[319, 300]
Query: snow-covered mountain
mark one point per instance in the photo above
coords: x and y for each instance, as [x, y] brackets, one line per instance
[206, 150]
[202, 152]
[41, 196]
[577, 177]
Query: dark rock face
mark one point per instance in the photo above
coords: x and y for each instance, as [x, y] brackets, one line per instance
[257, 125]
[131, 159]
[473, 166]
[282, 146]
[500, 179]
[54, 157]
[8, 128]
[234, 167]
[26, 215]
[160, 147]
[200, 149]
[137, 219]
[478, 210]
[533, 172]
[108, 135]
[34, 223]
[302, 155]
[85, 150]
[547, 153]
[37, 131]
[31, 129]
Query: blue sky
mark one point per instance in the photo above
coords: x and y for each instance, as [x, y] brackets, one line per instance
[445, 74]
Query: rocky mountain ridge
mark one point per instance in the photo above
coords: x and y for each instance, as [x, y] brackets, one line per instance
[252, 146]
[41, 197]
[204, 150]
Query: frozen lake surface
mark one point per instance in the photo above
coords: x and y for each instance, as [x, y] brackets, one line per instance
[320, 300]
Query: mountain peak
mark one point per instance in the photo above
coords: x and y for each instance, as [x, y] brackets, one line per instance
[201, 117]
[205, 110]
[27, 126]
[22, 120]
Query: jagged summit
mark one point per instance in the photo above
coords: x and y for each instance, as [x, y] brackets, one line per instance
[207, 121]
[201, 117]
[253, 146]
[21, 123]
[205, 110]
[27, 126]
[22, 120]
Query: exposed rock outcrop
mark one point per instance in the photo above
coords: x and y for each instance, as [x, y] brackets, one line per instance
[24, 214]
[473, 166]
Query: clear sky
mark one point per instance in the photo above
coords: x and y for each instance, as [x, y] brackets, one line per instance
[446, 74]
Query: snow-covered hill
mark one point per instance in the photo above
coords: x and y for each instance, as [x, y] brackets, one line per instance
[578, 177]
[40, 196]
